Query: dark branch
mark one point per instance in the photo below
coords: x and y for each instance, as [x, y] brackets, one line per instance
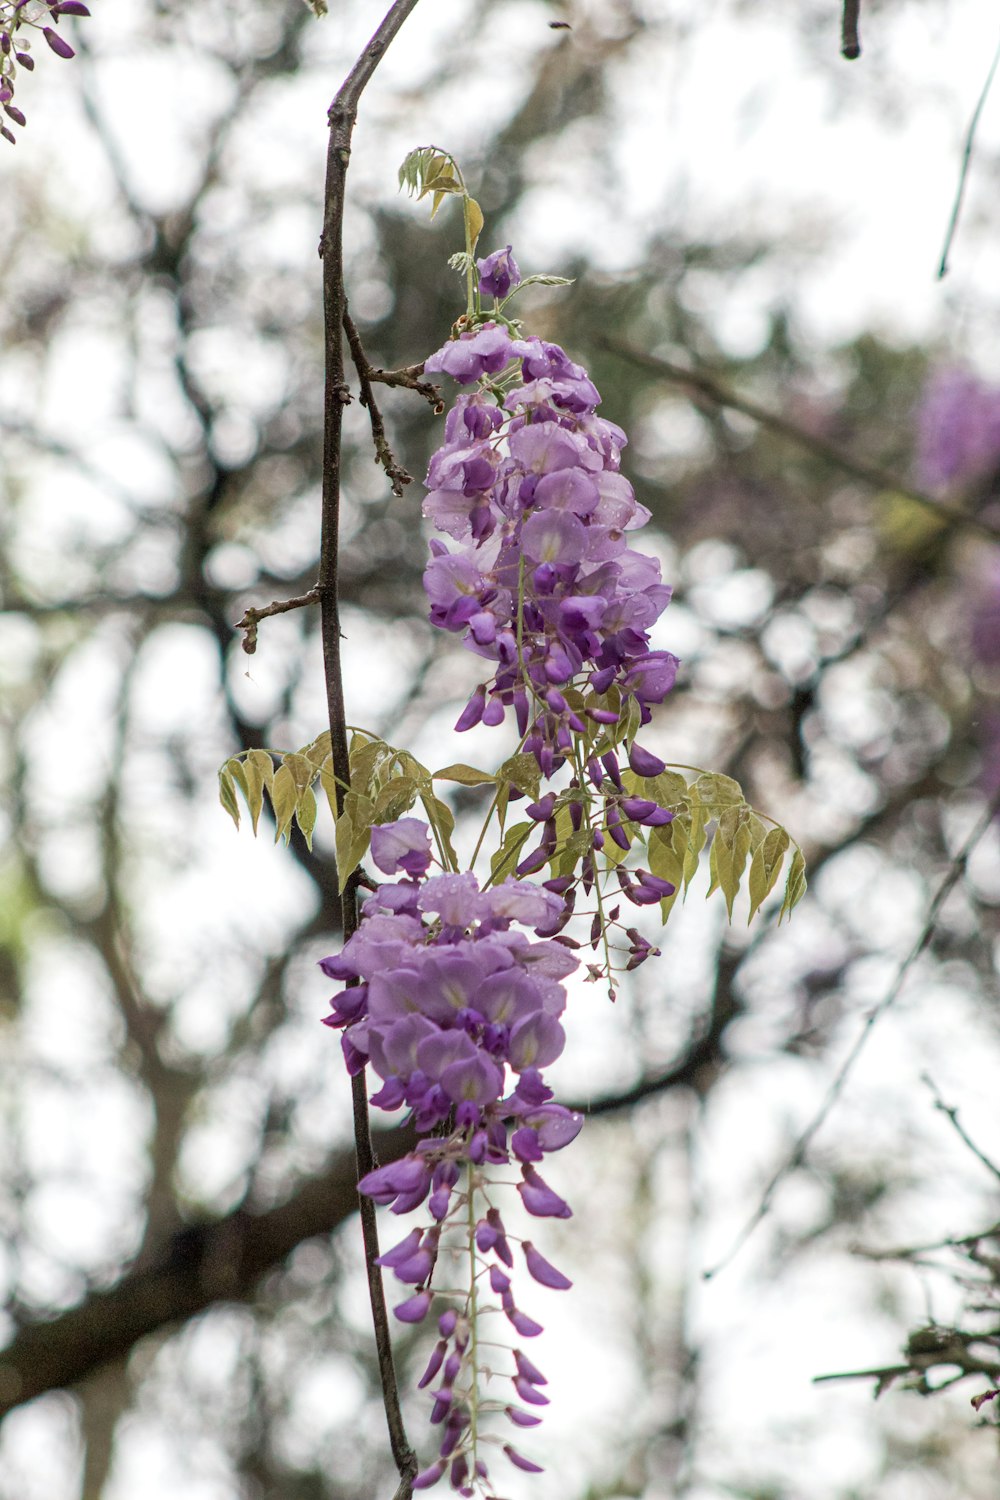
[850, 42]
[797, 1155]
[221, 1261]
[707, 386]
[341, 116]
[397, 476]
[252, 617]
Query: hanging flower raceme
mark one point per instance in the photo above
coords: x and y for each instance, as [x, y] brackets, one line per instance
[457, 1010]
[543, 580]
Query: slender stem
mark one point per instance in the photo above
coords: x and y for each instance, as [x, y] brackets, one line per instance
[342, 116]
[473, 1320]
[850, 42]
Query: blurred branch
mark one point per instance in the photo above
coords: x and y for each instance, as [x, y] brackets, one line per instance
[708, 387]
[797, 1156]
[963, 174]
[341, 116]
[221, 1261]
[952, 1113]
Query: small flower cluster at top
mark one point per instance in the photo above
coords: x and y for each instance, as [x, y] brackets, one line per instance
[455, 1008]
[544, 581]
[451, 999]
[15, 48]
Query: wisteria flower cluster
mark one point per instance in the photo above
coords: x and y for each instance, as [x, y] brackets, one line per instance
[453, 1003]
[454, 985]
[543, 580]
[17, 17]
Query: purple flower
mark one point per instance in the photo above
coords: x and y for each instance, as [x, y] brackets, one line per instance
[482, 351]
[521, 1418]
[539, 1199]
[498, 273]
[958, 427]
[403, 845]
[520, 1462]
[543, 1271]
[414, 1309]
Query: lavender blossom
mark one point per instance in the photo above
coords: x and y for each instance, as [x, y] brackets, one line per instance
[543, 580]
[498, 273]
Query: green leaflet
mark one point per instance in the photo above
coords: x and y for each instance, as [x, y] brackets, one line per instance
[728, 855]
[386, 783]
[765, 867]
[465, 775]
[353, 834]
[504, 859]
[227, 794]
[795, 885]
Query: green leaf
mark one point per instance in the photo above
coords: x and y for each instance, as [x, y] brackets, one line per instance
[284, 799]
[537, 281]
[364, 756]
[227, 794]
[474, 221]
[730, 847]
[504, 860]
[442, 820]
[765, 867]
[441, 183]
[465, 775]
[395, 798]
[666, 862]
[305, 815]
[668, 789]
[353, 832]
[259, 769]
[522, 771]
[693, 826]
[329, 784]
[795, 885]
[714, 790]
[318, 749]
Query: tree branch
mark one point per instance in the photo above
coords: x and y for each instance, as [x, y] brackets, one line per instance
[850, 42]
[221, 1261]
[341, 116]
[870, 474]
[797, 1155]
[252, 617]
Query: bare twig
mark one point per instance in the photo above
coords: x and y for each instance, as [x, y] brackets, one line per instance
[252, 616]
[850, 42]
[798, 1153]
[707, 386]
[341, 116]
[952, 1113]
[970, 139]
[397, 476]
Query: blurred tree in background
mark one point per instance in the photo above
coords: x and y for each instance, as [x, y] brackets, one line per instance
[177, 1192]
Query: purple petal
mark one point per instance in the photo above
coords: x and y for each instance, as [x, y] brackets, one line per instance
[527, 1392]
[414, 1309]
[521, 1418]
[520, 1462]
[59, 47]
[543, 1271]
